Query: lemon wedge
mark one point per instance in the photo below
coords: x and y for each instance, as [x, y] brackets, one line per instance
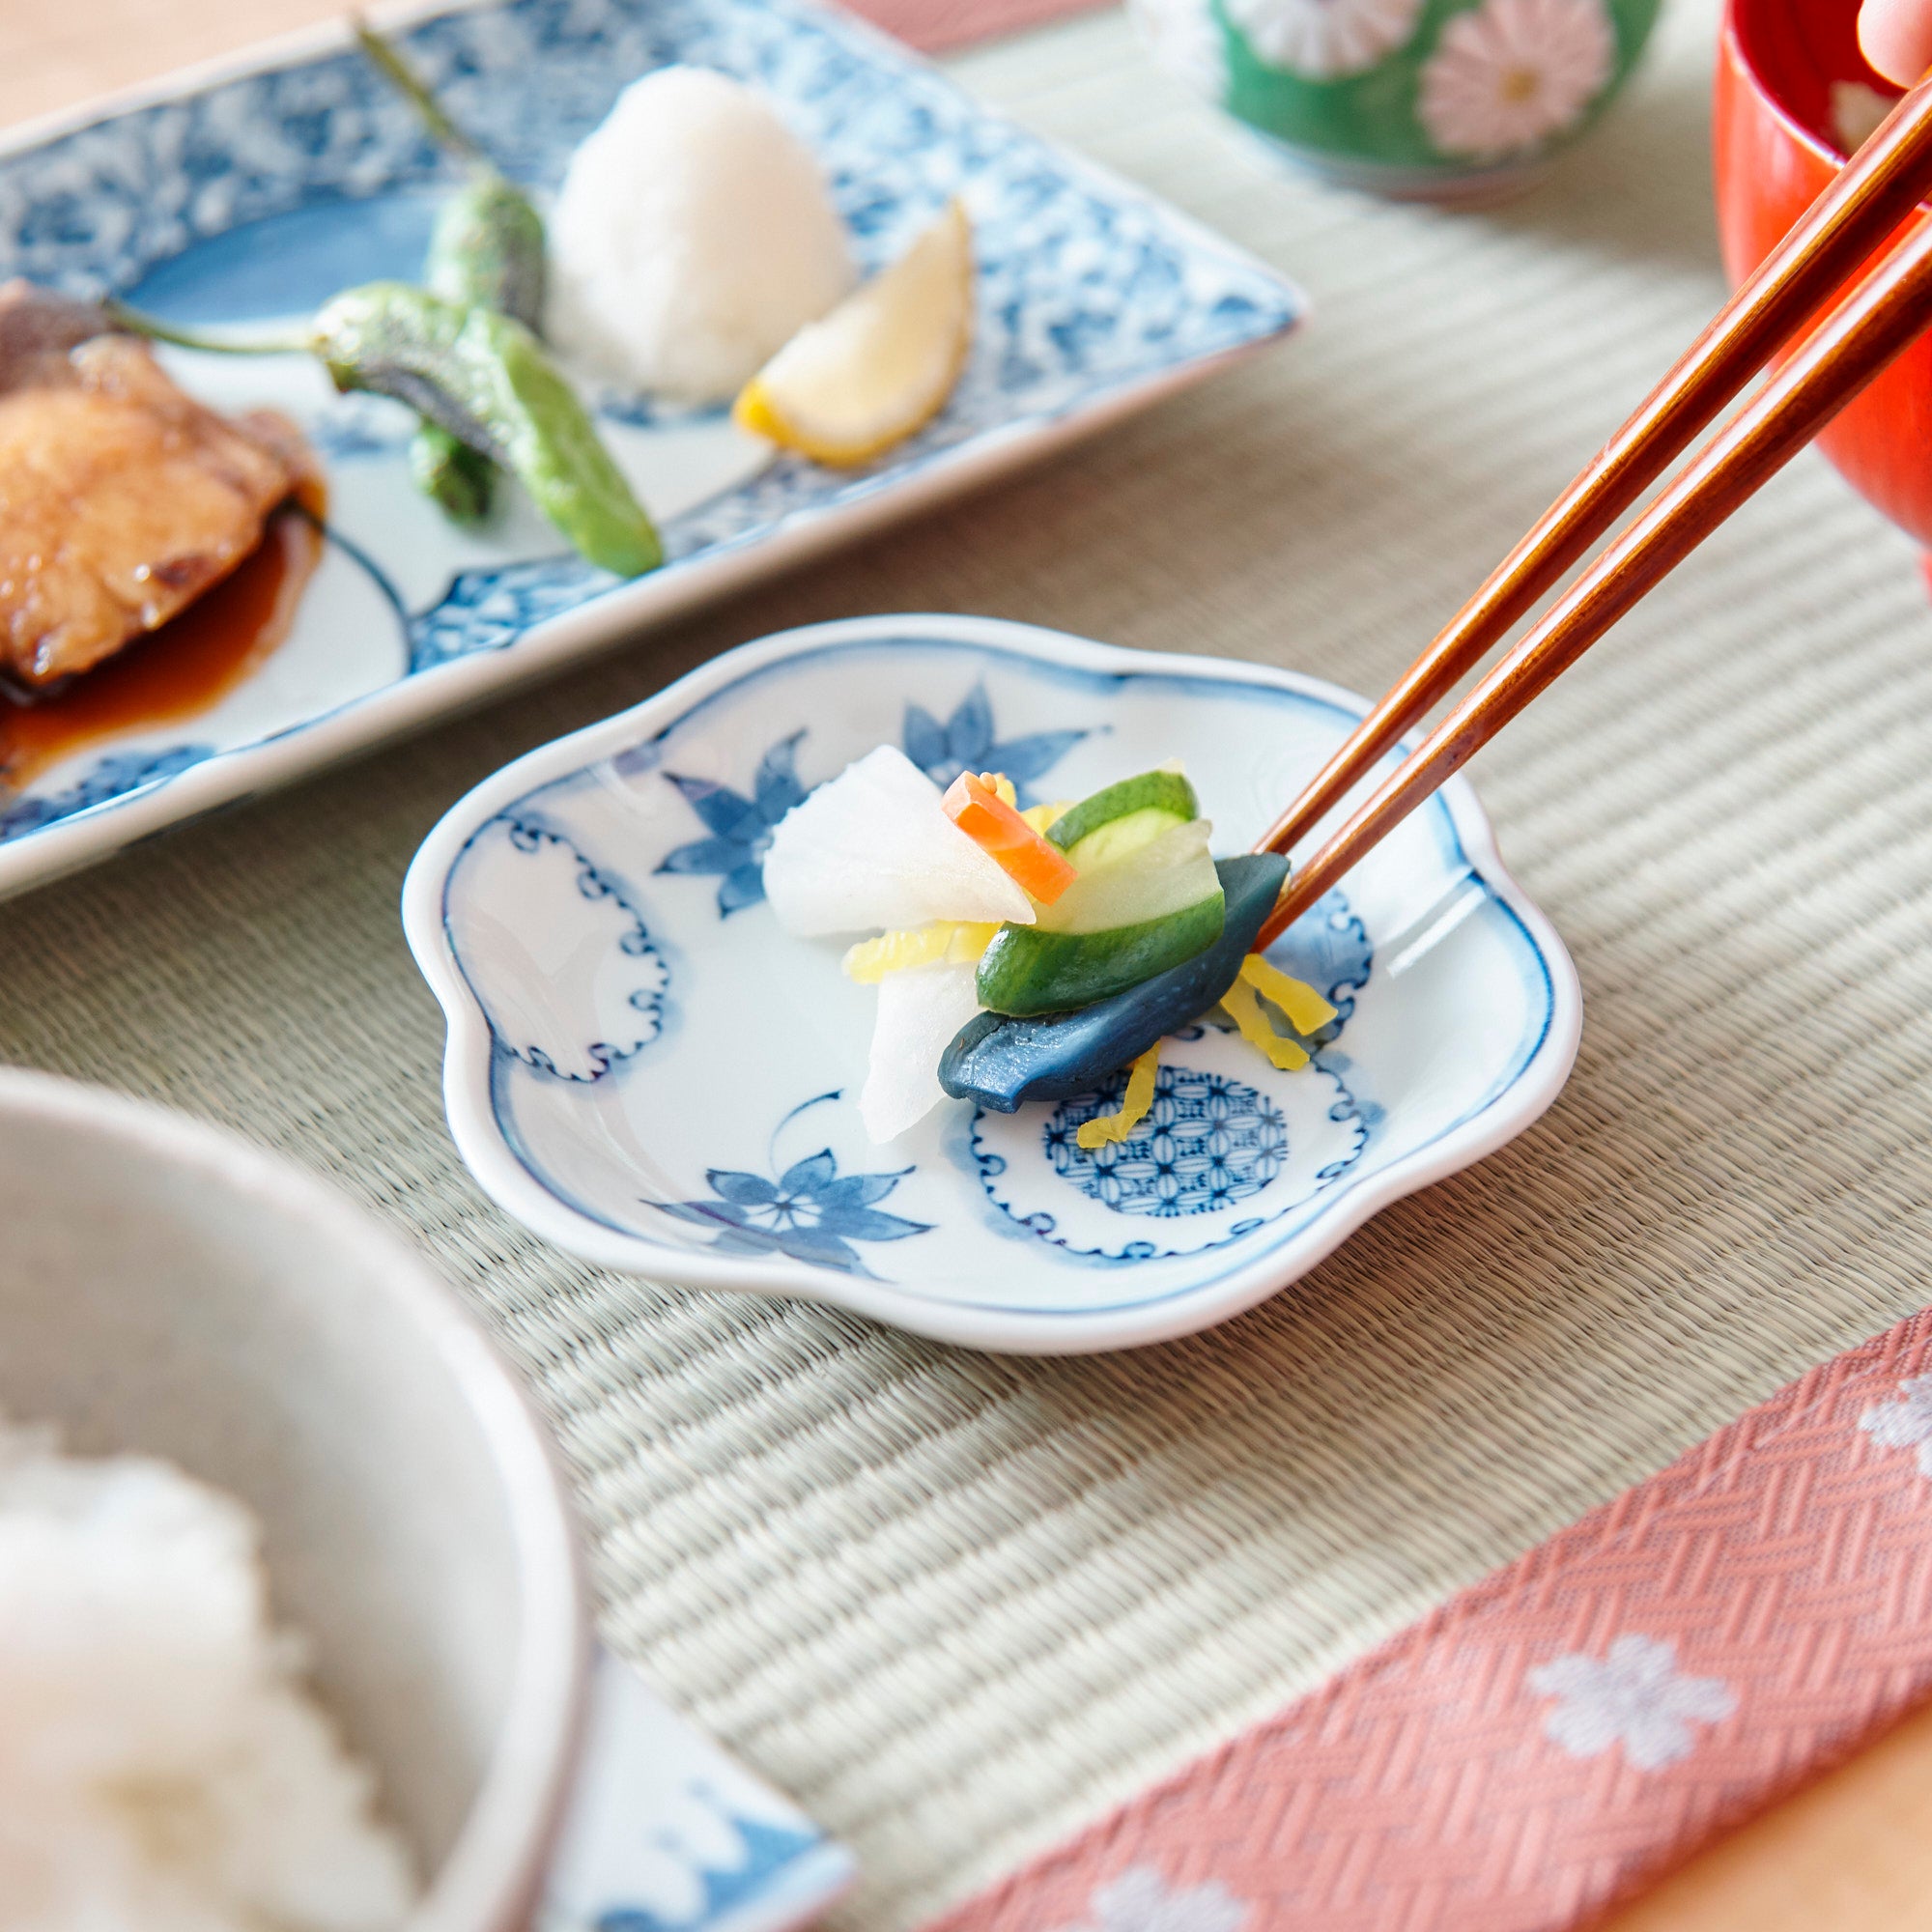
[879, 365]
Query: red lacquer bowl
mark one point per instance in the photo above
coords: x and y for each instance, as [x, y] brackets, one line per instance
[1776, 149]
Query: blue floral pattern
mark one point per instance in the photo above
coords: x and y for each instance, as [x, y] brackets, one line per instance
[766, 1850]
[810, 1212]
[740, 827]
[113, 777]
[965, 743]
[1216, 1157]
[1331, 950]
[489, 609]
[1205, 1143]
[664, 1834]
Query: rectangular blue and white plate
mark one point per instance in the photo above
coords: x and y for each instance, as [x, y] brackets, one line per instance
[252, 193]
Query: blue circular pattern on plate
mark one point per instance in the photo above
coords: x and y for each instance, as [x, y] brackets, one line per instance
[1205, 1143]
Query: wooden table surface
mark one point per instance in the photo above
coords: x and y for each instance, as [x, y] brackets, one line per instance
[1851, 1854]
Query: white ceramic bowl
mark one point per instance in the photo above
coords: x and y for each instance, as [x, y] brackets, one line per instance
[165, 1288]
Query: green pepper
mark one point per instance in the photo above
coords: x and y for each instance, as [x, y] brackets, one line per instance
[487, 251]
[485, 379]
[461, 481]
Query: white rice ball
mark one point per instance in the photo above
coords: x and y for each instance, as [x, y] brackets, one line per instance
[693, 240]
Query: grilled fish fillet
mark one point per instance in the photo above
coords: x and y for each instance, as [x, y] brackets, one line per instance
[121, 498]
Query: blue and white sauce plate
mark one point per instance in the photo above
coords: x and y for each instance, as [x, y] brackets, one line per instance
[665, 1833]
[247, 196]
[644, 1069]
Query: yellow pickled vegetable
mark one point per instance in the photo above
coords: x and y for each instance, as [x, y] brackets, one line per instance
[1242, 1006]
[950, 942]
[1040, 816]
[1134, 1105]
[1308, 1012]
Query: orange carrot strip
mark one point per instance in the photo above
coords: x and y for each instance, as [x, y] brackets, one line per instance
[1042, 871]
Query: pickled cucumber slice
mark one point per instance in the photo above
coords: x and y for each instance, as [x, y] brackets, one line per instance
[1122, 817]
[1000, 1064]
[1027, 969]
[1166, 875]
[1112, 927]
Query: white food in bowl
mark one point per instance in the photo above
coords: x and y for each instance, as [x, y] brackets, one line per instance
[163, 1763]
[166, 1288]
[692, 238]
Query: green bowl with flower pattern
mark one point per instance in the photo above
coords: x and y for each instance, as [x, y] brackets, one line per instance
[1436, 99]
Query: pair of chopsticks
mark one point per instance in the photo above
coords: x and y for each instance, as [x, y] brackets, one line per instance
[1842, 229]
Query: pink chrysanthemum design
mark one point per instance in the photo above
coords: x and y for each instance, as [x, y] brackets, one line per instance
[1506, 78]
[1324, 40]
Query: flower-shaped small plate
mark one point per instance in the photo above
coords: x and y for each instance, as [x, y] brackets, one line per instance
[244, 196]
[644, 1069]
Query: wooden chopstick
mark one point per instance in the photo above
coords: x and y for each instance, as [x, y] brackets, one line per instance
[1880, 318]
[1841, 229]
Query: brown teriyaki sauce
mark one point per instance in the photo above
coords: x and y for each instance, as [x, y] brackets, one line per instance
[185, 667]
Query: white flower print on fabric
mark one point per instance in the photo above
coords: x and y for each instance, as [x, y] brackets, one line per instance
[1141, 1900]
[1324, 40]
[1512, 73]
[1635, 1696]
[1905, 1424]
[1185, 38]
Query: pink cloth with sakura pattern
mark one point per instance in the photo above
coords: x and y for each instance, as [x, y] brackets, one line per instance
[1570, 1729]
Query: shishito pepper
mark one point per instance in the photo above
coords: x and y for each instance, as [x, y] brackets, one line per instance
[485, 251]
[488, 380]
[484, 378]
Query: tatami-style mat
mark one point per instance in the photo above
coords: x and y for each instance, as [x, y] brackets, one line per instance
[958, 1605]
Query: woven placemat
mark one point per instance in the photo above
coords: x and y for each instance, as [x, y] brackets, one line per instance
[959, 1604]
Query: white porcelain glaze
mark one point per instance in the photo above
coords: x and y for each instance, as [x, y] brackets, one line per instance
[644, 1069]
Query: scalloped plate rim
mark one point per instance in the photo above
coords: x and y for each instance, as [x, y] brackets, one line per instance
[468, 1047]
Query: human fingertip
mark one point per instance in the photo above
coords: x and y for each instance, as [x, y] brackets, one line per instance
[1895, 36]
